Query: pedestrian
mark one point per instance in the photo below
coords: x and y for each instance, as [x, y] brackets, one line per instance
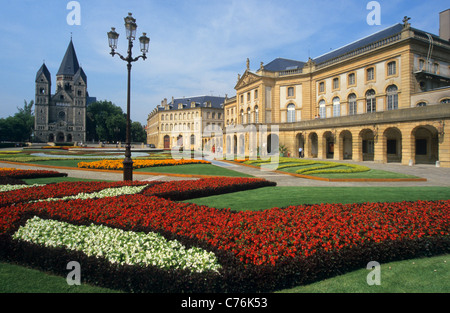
[300, 152]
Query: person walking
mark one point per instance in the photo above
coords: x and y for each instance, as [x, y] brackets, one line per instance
[300, 152]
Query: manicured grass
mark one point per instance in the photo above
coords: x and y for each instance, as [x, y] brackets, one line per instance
[19, 279]
[372, 174]
[424, 275]
[269, 197]
[49, 180]
[62, 162]
[194, 169]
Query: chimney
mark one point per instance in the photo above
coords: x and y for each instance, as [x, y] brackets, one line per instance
[444, 25]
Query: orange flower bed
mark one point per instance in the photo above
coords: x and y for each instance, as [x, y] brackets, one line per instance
[118, 164]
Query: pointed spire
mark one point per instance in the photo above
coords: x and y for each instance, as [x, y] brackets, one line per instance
[43, 70]
[69, 65]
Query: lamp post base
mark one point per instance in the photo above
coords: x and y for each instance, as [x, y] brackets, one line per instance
[127, 169]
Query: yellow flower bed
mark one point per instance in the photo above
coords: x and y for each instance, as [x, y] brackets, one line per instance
[118, 164]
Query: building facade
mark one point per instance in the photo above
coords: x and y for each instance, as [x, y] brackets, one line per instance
[185, 122]
[61, 117]
[384, 98]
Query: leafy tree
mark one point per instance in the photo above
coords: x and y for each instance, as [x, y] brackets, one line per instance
[138, 133]
[107, 122]
[18, 127]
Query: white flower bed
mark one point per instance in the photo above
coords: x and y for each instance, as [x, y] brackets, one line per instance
[108, 192]
[16, 187]
[117, 246]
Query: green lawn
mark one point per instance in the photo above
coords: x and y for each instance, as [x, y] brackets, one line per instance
[269, 197]
[424, 275]
[194, 169]
[19, 279]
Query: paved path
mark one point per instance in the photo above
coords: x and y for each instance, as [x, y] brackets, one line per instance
[436, 176]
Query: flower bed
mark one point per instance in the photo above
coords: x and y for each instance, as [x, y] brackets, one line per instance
[118, 164]
[18, 173]
[257, 251]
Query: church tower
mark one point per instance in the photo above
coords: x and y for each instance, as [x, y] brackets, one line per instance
[62, 117]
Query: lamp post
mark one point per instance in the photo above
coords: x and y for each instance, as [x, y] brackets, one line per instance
[113, 36]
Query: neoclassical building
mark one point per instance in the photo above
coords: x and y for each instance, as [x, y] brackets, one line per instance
[183, 122]
[61, 117]
[383, 98]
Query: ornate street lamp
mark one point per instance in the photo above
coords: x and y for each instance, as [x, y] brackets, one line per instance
[113, 36]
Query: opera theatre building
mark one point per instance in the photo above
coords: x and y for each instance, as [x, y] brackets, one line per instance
[384, 98]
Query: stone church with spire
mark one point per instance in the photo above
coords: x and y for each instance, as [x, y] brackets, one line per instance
[61, 117]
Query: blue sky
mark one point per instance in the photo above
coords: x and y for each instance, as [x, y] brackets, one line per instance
[198, 47]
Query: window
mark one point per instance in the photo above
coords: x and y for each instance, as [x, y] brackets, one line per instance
[352, 104]
[290, 92]
[421, 65]
[162, 117]
[392, 97]
[321, 87]
[392, 68]
[291, 113]
[336, 107]
[336, 83]
[248, 96]
[351, 79]
[242, 99]
[391, 146]
[422, 104]
[256, 94]
[447, 100]
[370, 74]
[371, 101]
[249, 116]
[322, 109]
[242, 116]
[256, 114]
[436, 68]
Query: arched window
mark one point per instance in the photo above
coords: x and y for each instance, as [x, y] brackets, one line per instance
[322, 109]
[162, 117]
[371, 101]
[256, 114]
[249, 116]
[447, 100]
[352, 104]
[291, 113]
[336, 107]
[242, 116]
[422, 104]
[392, 97]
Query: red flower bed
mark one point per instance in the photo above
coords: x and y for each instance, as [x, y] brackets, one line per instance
[58, 190]
[18, 173]
[278, 238]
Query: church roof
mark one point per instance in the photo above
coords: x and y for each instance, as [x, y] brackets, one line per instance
[69, 65]
[44, 70]
[80, 73]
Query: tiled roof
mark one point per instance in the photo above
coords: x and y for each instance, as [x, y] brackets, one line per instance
[44, 70]
[216, 102]
[69, 65]
[281, 64]
[390, 31]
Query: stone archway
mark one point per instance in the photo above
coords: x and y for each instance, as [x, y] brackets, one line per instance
[328, 141]
[346, 145]
[300, 143]
[426, 144]
[393, 144]
[60, 137]
[314, 145]
[367, 140]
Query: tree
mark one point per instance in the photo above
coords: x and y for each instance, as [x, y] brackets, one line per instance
[138, 133]
[20, 126]
[107, 122]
